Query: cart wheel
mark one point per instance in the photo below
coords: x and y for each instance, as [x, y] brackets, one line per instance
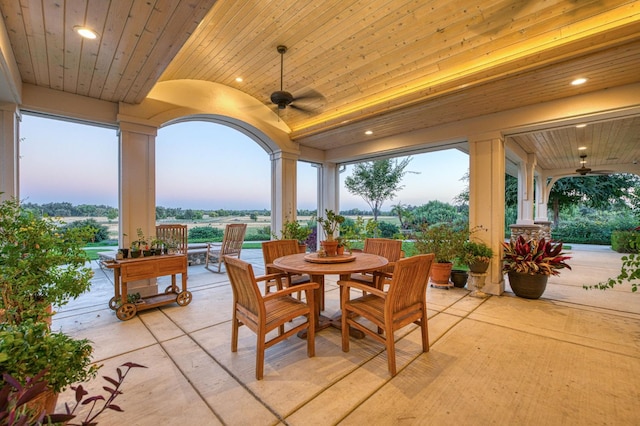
[113, 303]
[126, 311]
[170, 289]
[184, 298]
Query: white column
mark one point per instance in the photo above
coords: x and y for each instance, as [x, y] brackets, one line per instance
[9, 152]
[526, 172]
[328, 191]
[137, 189]
[542, 198]
[284, 181]
[486, 202]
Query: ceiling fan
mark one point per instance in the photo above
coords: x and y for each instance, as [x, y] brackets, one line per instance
[283, 99]
[583, 170]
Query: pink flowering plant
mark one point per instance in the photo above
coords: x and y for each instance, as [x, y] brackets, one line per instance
[534, 257]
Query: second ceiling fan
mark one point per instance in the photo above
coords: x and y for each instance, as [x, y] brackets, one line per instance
[583, 170]
[283, 99]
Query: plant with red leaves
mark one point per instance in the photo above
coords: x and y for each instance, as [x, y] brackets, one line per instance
[113, 393]
[15, 409]
[534, 257]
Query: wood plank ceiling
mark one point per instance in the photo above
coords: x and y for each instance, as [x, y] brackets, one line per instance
[388, 65]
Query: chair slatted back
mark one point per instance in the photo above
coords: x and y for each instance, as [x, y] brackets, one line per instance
[245, 289]
[173, 234]
[233, 239]
[271, 250]
[409, 285]
[385, 247]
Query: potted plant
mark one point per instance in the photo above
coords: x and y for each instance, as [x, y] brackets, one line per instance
[40, 265]
[293, 230]
[330, 225]
[156, 246]
[445, 241]
[29, 347]
[476, 255]
[530, 263]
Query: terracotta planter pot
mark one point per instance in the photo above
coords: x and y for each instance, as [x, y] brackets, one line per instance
[478, 267]
[459, 278]
[440, 272]
[45, 401]
[526, 285]
[330, 247]
[302, 248]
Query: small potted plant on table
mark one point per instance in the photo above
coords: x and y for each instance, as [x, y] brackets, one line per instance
[529, 264]
[330, 225]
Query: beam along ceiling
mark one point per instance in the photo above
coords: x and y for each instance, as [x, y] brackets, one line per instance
[387, 65]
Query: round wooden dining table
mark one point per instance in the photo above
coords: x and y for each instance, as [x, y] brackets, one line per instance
[317, 268]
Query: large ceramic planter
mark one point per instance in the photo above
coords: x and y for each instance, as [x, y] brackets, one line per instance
[527, 285]
[440, 272]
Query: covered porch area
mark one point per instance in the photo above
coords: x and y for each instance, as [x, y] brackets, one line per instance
[569, 357]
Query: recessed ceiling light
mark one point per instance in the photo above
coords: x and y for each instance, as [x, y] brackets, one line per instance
[239, 79]
[580, 126]
[579, 81]
[582, 148]
[85, 32]
[368, 132]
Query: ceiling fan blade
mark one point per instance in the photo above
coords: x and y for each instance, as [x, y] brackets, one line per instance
[306, 110]
[309, 95]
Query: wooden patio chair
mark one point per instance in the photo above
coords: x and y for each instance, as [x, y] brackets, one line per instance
[231, 245]
[385, 247]
[404, 304]
[262, 314]
[173, 235]
[271, 250]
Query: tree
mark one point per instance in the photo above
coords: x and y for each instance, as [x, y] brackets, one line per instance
[604, 191]
[377, 181]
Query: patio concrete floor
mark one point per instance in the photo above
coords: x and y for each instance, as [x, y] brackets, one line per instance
[571, 357]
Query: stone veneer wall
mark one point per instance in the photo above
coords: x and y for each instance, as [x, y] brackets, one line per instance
[531, 232]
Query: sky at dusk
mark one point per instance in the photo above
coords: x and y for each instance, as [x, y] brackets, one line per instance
[199, 165]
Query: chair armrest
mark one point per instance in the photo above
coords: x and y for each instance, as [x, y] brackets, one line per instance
[383, 274]
[290, 290]
[363, 287]
[269, 277]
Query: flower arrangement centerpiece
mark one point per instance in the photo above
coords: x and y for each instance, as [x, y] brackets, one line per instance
[529, 263]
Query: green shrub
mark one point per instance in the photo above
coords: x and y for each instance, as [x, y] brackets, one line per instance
[258, 234]
[625, 241]
[205, 233]
[100, 232]
[388, 230]
[590, 226]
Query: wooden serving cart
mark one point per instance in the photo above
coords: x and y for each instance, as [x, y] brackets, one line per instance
[127, 270]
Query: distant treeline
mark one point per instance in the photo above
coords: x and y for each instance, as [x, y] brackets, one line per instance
[68, 209]
[65, 209]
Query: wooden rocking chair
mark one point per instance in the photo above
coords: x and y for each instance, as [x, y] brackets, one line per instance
[231, 245]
